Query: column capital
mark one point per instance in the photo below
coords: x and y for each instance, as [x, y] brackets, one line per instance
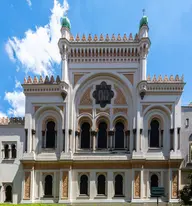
[111, 133]
[93, 133]
[77, 133]
[127, 133]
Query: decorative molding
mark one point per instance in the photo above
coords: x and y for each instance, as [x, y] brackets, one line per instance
[81, 111]
[77, 77]
[137, 184]
[120, 98]
[169, 106]
[65, 185]
[36, 108]
[144, 107]
[130, 77]
[86, 98]
[12, 120]
[27, 186]
[103, 110]
[175, 184]
[122, 110]
[42, 80]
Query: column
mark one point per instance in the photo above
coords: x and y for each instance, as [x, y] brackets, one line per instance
[169, 183]
[178, 138]
[33, 139]
[54, 184]
[171, 139]
[93, 136]
[70, 140]
[134, 138]
[77, 140]
[60, 184]
[64, 56]
[142, 184]
[162, 137]
[43, 143]
[93, 189]
[110, 185]
[143, 63]
[111, 140]
[127, 134]
[26, 140]
[174, 185]
[63, 143]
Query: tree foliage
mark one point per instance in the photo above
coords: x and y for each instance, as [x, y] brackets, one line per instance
[185, 194]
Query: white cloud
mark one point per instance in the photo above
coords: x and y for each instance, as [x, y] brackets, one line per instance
[2, 114]
[17, 101]
[29, 2]
[38, 50]
[17, 84]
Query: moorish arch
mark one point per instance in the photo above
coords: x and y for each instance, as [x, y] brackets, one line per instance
[89, 84]
[157, 124]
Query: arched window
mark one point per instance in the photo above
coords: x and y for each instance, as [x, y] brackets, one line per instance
[50, 135]
[102, 135]
[85, 135]
[13, 151]
[119, 135]
[101, 185]
[8, 194]
[154, 181]
[154, 134]
[6, 151]
[118, 185]
[48, 186]
[84, 185]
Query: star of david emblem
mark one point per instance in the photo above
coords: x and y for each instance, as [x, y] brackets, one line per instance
[103, 94]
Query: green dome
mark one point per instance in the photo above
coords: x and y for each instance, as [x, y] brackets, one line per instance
[143, 21]
[66, 23]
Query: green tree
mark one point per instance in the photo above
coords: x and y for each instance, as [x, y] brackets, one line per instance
[185, 194]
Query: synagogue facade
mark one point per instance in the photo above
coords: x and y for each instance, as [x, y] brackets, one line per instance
[103, 131]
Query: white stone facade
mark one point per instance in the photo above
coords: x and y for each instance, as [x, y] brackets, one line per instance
[71, 149]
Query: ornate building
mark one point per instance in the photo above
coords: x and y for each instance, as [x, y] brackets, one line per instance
[102, 132]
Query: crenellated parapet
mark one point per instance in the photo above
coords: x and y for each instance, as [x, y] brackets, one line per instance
[12, 120]
[166, 85]
[42, 80]
[45, 85]
[166, 79]
[106, 38]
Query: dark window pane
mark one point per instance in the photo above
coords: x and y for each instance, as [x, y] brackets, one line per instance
[102, 136]
[119, 135]
[8, 194]
[101, 185]
[13, 151]
[6, 151]
[48, 185]
[50, 135]
[154, 134]
[84, 185]
[85, 136]
[118, 185]
[154, 181]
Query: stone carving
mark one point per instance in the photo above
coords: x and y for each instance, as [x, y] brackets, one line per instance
[65, 185]
[174, 184]
[130, 77]
[85, 111]
[27, 185]
[120, 110]
[120, 98]
[103, 94]
[137, 185]
[86, 99]
[12, 120]
[77, 77]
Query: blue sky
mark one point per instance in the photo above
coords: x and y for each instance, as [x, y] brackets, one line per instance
[30, 30]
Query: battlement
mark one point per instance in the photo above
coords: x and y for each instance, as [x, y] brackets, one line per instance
[107, 38]
[42, 80]
[12, 120]
[166, 79]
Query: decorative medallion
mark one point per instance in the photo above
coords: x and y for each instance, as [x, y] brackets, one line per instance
[103, 94]
[27, 185]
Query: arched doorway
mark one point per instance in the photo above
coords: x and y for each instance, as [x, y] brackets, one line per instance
[8, 194]
[101, 185]
[154, 180]
[48, 186]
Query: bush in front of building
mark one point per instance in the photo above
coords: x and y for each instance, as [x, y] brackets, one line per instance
[185, 194]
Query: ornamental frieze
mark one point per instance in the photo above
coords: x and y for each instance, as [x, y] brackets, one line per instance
[137, 184]
[65, 185]
[27, 186]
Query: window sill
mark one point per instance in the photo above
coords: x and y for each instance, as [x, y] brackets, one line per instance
[83, 197]
[119, 196]
[155, 149]
[101, 197]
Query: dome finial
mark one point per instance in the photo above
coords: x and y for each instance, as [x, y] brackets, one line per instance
[144, 20]
[65, 22]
